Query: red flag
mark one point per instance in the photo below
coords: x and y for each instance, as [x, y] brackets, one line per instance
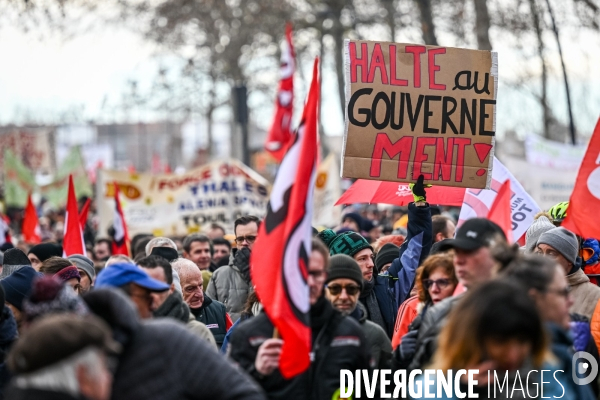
[120, 244]
[279, 260]
[280, 134]
[73, 238]
[31, 226]
[83, 215]
[583, 208]
[501, 212]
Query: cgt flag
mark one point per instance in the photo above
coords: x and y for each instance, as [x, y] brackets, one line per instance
[120, 243]
[585, 199]
[31, 226]
[280, 133]
[73, 238]
[279, 260]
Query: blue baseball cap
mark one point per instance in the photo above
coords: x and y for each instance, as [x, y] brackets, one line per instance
[121, 274]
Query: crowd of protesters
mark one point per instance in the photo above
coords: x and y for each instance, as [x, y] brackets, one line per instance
[400, 289]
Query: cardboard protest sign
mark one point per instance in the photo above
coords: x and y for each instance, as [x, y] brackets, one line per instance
[179, 204]
[414, 109]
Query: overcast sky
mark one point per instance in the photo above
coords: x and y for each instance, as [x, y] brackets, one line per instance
[44, 78]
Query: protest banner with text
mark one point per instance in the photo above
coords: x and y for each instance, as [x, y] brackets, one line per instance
[415, 109]
[179, 204]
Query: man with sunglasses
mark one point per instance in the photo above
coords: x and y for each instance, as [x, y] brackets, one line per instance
[230, 284]
[344, 284]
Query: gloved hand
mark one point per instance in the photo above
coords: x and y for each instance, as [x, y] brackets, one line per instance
[242, 261]
[408, 345]
[418, 190]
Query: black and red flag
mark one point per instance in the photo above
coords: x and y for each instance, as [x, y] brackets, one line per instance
[280, 134]
[279, 260]
[120, 244]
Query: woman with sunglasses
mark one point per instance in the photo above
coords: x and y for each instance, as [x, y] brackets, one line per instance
[435, 281]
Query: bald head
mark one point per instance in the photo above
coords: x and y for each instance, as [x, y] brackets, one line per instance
[191, 282]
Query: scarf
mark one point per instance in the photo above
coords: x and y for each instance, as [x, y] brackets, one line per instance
[174, 307]
[369, 300]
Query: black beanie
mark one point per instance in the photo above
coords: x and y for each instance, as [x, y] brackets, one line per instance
[44, 251]
[343, 266]
[387, 254]
[15, 257]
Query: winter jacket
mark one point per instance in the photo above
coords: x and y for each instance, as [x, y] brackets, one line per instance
[229, 286]
[174, 307]
[386, 302]
[14, 393]
[407, 313]
[8, 335]
[213, 315]
[225, 344]
[413, 252]
[338, 342]
[430, 327]
[585, 294]
[562, 344]
[162, 360]
[380, 347]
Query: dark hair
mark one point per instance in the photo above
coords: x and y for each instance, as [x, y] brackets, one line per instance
[196, 237]
[500, 310]
[439, 224]
[529, 270]
[245, 220]
[140, 247]
[137, 238]
[104, 240]
[221, 241]
[318, 245]
[252, 298]
[54, 264]
[152, 262]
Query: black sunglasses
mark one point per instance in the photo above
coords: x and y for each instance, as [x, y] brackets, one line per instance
[352, 290]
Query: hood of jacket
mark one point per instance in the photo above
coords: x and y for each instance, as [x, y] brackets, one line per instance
[174, 307]
[117, 310]
[577, 278]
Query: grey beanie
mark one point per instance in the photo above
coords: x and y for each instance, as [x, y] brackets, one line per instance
[84, 263]
[344, 266]
[563, 241]
[539, 227]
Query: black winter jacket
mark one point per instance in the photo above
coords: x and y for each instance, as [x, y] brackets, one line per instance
[162, 360]
[339, 344]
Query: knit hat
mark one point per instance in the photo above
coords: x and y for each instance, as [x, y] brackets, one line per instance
[51, 296]
[387, 254]
[44, 251]
[563, 241]
[354, 217]
[343, 266]
[539, 227]
[14, 259]
[18, 285]
[83, 263]
[348, 243]
[68, 273]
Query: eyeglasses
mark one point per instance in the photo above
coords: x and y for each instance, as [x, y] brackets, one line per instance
[351, 290]
[441, 283]
[249, 239]
[317, 274]
[564, 292]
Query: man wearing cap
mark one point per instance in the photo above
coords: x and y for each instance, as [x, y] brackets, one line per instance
[135, 282]
[63, 357]
[16, 287]
[86, 270]
[473, 265]
[562, 245]
[344, 284]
